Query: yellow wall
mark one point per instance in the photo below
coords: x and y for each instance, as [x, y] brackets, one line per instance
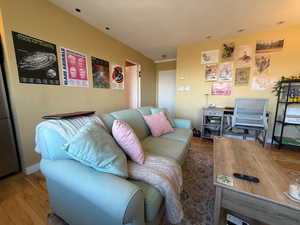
[43, 20]
[166, 66]
[189, 104]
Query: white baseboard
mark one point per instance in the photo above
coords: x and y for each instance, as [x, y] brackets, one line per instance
[32, 169]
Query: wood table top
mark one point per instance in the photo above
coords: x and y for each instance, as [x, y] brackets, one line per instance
[248, 157]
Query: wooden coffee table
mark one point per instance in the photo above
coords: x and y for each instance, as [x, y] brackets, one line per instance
[264, 201]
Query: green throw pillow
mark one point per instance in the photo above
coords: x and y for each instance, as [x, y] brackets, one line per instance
[157, 110]
[94, 147]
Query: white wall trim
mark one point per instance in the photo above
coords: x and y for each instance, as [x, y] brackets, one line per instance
[164, 60]
[32, 169]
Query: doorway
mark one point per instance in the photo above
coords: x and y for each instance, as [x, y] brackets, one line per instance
[132, 74]
[167, 90]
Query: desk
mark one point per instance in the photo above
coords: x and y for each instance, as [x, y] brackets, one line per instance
[214, 122]
[263, 201]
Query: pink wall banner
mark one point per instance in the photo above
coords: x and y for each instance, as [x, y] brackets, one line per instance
[117, 75]
[74, 67]
[221, 89]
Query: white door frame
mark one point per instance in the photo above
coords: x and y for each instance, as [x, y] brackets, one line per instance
[139, 69]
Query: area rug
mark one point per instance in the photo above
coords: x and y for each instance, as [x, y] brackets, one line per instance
[198, 196]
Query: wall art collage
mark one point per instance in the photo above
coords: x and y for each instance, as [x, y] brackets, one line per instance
[237, 64]
[37, 63]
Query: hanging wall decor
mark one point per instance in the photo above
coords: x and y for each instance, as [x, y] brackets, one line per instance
[211, 72]
[209, 57]
[242, 75]
[262, 64]
[100, 69]
[228, 51]
[74, 67]
[223, 89]
[269, 46]
[117, 76]
[36, 60]
[244, 55]
[226, 71]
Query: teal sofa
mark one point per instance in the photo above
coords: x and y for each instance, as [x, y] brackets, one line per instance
[83, 196]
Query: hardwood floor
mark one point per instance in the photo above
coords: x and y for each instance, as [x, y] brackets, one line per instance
[24, 201]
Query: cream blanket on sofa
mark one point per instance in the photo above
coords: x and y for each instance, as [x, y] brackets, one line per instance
[163, 173]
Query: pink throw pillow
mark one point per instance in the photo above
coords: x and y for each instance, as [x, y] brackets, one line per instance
[129, 142]
[158, 124]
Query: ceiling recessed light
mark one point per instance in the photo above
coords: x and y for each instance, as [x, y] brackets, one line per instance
[78, 10]
[107, 28]
[240, 30]
[208, 37]
[280, 22]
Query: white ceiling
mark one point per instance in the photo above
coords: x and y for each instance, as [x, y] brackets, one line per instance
[156, 27]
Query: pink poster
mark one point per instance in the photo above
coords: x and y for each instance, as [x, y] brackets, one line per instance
[221, 89]
[74, 65]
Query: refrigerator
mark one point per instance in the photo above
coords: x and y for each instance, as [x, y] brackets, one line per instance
[9, 158]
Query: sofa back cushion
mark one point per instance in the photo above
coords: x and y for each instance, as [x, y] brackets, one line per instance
[108, 121]
[135, 120]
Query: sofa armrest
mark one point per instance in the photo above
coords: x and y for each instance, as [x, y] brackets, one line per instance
[182, 123]
[114, 196]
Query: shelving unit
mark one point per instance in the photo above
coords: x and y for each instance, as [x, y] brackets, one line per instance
[287, 92]
[212, 124]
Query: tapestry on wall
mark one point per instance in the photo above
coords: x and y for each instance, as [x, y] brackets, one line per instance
[117, 76]
[269, 46]
[211, 72]
[100, 70]
[242, 76]
[209, 57]
[221, 89]
[36, 60]
[74, 67]
[262, 64]
[244, 55]
[228, 50]
[226, 70]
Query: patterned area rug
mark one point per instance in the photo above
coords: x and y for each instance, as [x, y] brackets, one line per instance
[198, 195]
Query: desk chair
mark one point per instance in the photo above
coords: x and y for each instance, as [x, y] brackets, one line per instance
[251, 114]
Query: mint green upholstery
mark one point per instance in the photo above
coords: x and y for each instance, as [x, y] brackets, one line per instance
[181, 123]
[84, 196]
[153, 199]
[165, 147]
[108, 121]
[146, 110]
[95, 147]
[135, 119]
[180, 134]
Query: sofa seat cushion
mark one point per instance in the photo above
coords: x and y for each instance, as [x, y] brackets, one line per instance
[165, 147]
[179, 134]
[153, 199]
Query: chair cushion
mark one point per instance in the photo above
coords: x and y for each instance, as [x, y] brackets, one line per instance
[179, 134]
[135, 121]
[165, 147]
[128, 141]
[158, 124]
[153, 199]
[164, 110]
[93, 146]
